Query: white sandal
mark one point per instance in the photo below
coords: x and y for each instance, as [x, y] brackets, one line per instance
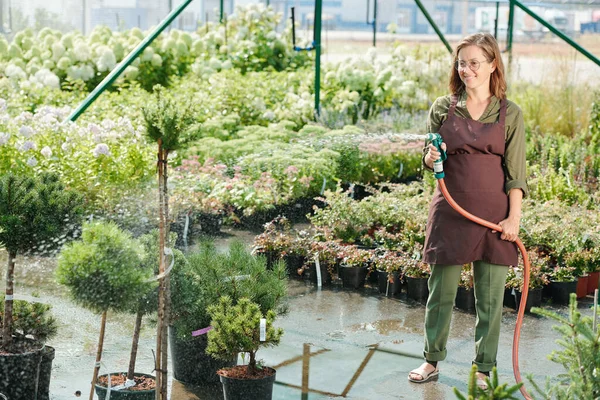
[482, 384]
[425, 377]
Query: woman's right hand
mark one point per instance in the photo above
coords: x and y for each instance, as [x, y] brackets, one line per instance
[433, 155]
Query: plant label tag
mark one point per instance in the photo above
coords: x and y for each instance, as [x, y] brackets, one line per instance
[323, 186]
[263, 329]
[318, 270]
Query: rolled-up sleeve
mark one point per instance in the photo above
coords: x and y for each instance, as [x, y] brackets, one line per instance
[515, 152]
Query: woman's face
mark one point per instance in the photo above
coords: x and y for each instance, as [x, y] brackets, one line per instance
[473, 68]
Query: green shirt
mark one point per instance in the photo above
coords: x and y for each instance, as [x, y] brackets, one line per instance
[514, 153]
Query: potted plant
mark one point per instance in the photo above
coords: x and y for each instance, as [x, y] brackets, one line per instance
[579, 261]
[243, 328]
[389, 272]
[328, 253]
[274, 241]
[34, 212]
[537, 280]
[465, 296]
[199, 284]
[354, 266]
[417, 274]
[33, 320]
[171, 126]
[563, 282]
[104, 271]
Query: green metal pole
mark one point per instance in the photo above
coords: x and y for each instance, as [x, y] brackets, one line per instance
[557, 32]
[318, 15]
[509, 39]
[221, 12]
[497, 20]
[118, 70]
[375, 24]
[433, 25]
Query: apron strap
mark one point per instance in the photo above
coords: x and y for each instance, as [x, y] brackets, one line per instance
[502, 112]
[453, 101]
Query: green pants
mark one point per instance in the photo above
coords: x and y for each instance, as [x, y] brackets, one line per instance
[489, 281]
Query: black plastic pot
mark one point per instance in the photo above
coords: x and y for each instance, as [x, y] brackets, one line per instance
[45, 373]
[534, 298]
[417, 289]
[509, 298]
[325, 275]
[293, 263]
[465, 299]
[210, 223]
[393, 288]
[102, 391]
[353, 277]
[190, 362]
[246, 389]
[560, 292]
[19, 375]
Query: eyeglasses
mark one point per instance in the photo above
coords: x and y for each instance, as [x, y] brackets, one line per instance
[472, 64]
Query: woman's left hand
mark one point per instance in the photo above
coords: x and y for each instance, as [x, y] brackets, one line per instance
[510, 229]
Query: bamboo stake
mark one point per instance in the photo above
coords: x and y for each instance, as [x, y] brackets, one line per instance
[98, 354]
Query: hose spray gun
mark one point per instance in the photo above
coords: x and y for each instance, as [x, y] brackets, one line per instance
[438, 166]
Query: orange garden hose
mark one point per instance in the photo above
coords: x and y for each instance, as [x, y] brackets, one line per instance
[524, 292]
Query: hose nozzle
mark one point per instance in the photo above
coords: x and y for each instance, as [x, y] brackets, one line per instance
[438, 166]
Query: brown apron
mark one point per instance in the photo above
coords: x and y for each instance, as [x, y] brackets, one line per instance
[475, 179]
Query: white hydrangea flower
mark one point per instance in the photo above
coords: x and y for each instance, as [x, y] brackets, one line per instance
[4, 138]
[101, 149]
[148, 54]
[269, 115]
[106, 59]
[57, 51]
[46, 152]
[15, 72]
[82, 52]
[2, 105]
[26, 131]
[94, 129]
[28, 145]
[65, 147]
[157, 60]
[32, 161]
[47, 78]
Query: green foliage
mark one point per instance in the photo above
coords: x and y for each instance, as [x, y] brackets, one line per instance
[209, 275]
[580, 356]
[32, 319]
[494, 391]
[168, 122]
[236, 329]
[102, 270]
[36, 214]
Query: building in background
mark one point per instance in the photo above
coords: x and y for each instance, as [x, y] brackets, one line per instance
[452, 16]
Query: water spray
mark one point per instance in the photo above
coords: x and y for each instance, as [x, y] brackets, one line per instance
[438, 168]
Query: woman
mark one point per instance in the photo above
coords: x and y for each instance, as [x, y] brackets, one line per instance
[485, 173]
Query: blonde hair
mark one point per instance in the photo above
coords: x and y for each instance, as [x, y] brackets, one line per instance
[489, 46]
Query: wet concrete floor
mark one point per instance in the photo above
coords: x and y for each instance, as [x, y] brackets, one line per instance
[358, 343]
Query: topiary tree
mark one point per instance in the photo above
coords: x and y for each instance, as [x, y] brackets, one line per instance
[102, 272]
[236, 329]
[34, 214]
[170, 125]
[148, 302]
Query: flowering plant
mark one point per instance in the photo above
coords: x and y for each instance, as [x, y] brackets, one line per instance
[466, 277]
[389, 262]
[355, 257]
[94, 159]
[537, 273]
